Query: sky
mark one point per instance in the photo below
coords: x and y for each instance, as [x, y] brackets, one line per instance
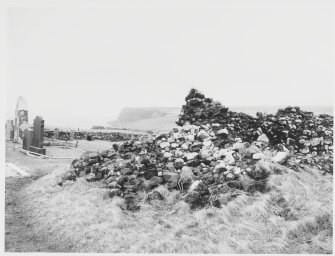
[80, 63]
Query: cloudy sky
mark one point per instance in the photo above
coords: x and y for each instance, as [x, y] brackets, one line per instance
[81, 63]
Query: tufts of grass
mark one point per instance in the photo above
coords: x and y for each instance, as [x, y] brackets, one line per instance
[294, 215]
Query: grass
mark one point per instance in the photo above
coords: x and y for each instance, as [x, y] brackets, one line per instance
[294, 216]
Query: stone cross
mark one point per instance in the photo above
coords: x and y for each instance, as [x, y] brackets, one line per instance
[21, 119]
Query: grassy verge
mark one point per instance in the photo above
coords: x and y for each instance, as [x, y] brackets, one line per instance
[295, 216]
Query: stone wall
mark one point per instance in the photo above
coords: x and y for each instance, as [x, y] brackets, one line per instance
[291, 126]
[89, 135]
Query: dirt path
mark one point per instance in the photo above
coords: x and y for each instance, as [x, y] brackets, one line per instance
[20, 235]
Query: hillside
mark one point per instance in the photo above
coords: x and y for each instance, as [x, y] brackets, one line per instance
[154, 118]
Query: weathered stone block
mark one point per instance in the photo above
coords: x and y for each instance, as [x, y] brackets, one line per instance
[41, 151]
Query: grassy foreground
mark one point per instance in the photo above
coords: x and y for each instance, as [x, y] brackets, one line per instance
[295, 216]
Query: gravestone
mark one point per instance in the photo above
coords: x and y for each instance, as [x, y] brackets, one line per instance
[9, 130]
[38, 132]
[88, 137]
[16, 132]
[72, 135]
[37, 143]
[12, 130]
[27, 138]
[56, 133]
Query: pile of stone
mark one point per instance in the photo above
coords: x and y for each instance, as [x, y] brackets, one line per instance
[185, 159]
[200, 110]
[213, 154]
[302, 130]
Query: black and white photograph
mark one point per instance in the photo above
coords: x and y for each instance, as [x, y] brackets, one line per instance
[167, 126]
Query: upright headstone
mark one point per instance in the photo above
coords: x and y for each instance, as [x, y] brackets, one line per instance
[56, 133]
[38, 132]
[9, 129]
[12, 130]
[72, 135]
[21, 119]
[89, 137]
[16, 131]
[27, 138]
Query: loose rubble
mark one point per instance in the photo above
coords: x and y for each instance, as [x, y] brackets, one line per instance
[213, 153]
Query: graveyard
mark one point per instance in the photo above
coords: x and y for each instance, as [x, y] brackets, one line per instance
[219, 182]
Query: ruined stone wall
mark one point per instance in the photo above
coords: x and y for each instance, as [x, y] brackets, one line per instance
[303, 130]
